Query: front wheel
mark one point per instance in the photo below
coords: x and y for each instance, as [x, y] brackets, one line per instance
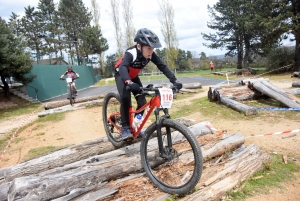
[71, 95]
[181, 168]
[111, 110]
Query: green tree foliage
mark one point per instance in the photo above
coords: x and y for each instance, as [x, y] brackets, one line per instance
[93, 42]
[223, 19]
[162, 54]
[15, 24]
[239, 29]
[32, 29]
[285, 20]
[279, 57]
[184, 60]
[14, 60]
[74, 18]
[203, 56]
[47, 17]
[110, 65]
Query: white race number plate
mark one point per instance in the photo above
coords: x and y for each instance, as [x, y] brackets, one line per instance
[166, 97]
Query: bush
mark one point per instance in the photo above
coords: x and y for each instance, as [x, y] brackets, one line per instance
[280, 57]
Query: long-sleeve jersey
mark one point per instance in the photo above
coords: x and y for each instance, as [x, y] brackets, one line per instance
[133, 62]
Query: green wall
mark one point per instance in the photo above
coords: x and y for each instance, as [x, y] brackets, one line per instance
[48, 84]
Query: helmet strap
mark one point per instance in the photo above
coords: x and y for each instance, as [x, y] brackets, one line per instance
[141, 48]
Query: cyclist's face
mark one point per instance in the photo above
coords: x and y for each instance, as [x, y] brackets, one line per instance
[147, 51]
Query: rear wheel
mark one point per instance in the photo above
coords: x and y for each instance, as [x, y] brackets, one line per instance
[180, 170]
[111, 105]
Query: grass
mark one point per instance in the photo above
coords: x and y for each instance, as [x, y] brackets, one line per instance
[22, 107]
[207, 108]
[56, 117]
[17, 140]
[52, 118]
[272, 175]
[18, 111]
[33, 153]
[40, 134]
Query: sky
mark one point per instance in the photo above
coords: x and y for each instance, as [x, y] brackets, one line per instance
[190, 19]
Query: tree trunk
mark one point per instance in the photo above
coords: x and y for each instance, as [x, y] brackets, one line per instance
[296, 84]
[238, 93]
[247, 110]
[297, 51]
[295, 74]
[294, 91]
[57, 104]
[217, 180]
[5, 87]
[76, 153]
[60, 181]
[188, 90]
[240, 54]
[195, 85]
[274, 92]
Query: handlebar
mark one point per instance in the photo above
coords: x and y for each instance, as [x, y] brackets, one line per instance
[151, 88]
[73, 78]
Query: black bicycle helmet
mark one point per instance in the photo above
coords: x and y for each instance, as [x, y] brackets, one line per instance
[146, 37]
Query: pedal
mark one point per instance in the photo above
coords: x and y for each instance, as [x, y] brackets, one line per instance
[129, 140]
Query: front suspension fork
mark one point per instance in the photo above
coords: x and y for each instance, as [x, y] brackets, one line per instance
[158, 122]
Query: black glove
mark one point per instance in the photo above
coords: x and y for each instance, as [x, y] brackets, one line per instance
[134, 87]
[178, 85]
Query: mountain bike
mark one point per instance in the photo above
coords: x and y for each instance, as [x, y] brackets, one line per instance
[71, 92]
[170, 154]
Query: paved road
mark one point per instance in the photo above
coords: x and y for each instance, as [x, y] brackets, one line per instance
[92, 91]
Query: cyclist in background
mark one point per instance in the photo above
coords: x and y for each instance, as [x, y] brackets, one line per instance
[127, 69]
[71, 74]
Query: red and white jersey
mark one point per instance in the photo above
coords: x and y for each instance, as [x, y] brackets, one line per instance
[70, 74]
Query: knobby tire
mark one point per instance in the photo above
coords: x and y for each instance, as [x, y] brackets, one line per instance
[180, 174]
[111, 104]
[71, 95]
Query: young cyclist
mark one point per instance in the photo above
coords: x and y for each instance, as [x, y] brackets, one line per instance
[71, 74]
[127, 69]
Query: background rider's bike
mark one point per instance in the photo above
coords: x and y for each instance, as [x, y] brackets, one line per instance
[71, 92]
[171, 155]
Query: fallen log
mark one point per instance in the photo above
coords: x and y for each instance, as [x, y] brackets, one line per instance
[216, 181]
[56, 104]
[65, 108]
[275, 93]
[247, 110]
[294, 91]
[60, 181]
[188, 90]
[238, 93]
[244, 160]
[195, 85]
[295, 74]
[75, 153]
[296, 84]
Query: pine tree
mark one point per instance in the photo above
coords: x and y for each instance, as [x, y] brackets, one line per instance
[31, 27]
[74, 18]
[14, 60]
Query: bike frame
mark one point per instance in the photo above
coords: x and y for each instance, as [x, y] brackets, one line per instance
[153, 103]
